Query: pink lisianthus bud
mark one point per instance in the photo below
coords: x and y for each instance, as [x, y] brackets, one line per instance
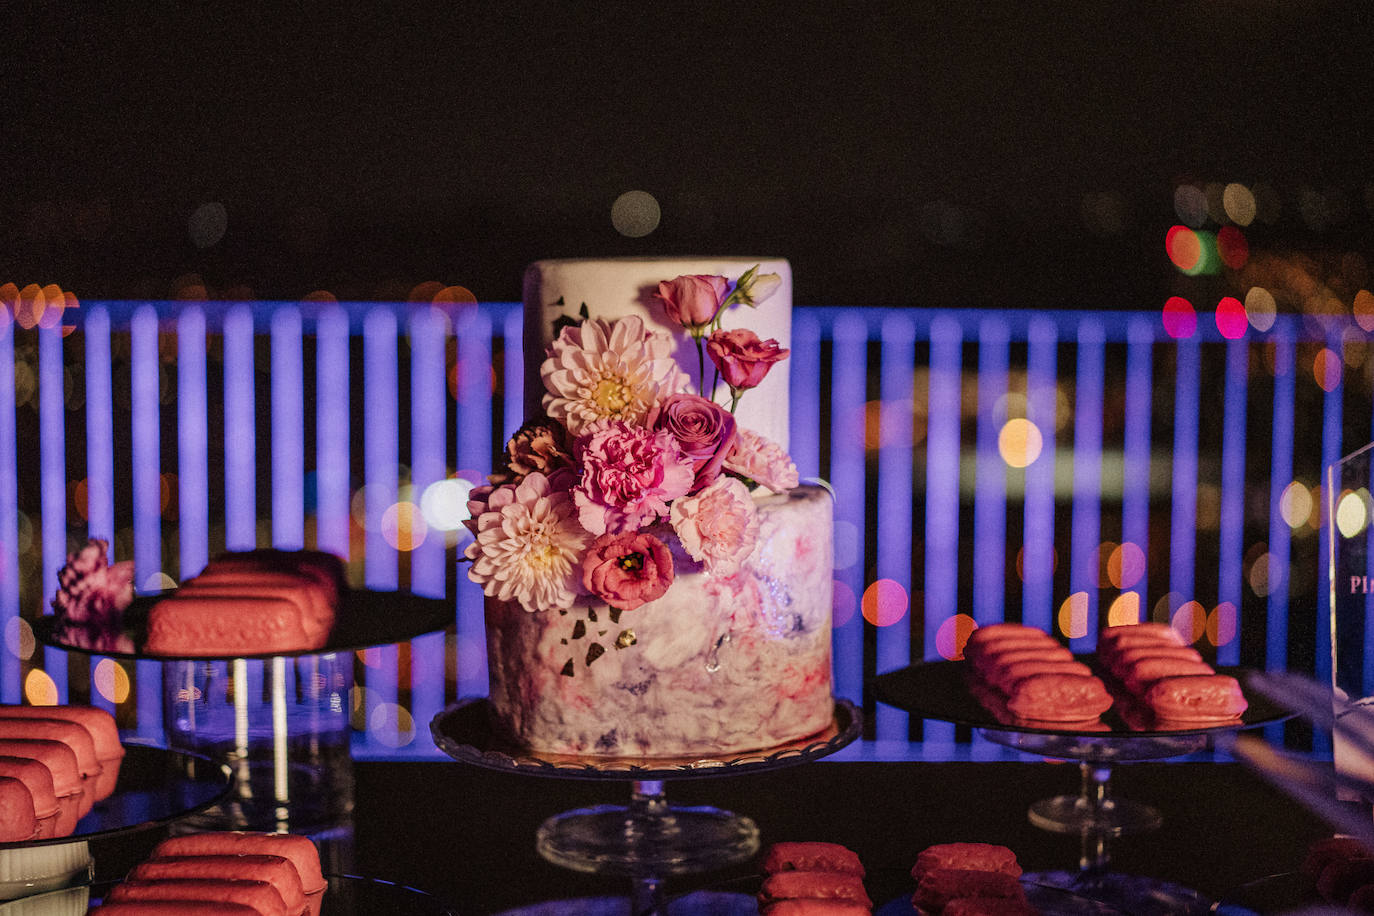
[742, 358]
[693, 300]
[705, 431]
[627, 570]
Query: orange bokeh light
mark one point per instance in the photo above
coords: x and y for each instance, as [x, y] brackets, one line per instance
[885, 602]
[953, 634]
[1183, 247]
[1190, 620]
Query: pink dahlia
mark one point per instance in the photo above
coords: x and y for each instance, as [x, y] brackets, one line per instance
[763, 461]
[718, 526]
[602, 370]
[629, 475]
[627, 570]
[529, 546]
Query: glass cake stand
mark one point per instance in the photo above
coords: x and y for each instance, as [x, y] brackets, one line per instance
[647, 839]
[939, 690]
[279, 720]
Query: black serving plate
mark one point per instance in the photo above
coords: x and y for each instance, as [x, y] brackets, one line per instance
[156, 786]
[364, 618]
[940, 690]
[355, 895]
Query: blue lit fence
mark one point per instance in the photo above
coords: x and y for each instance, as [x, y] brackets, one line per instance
[1065, 468]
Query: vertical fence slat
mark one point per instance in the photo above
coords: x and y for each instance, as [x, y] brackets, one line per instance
[193, 453]
[100, 483]
[11, 665]
[1280, 537]
[52, 484]
[1231, 539]
[990, 477]
[287, 385]
[1135, 497]
[942, 492]
[1183, 486]
[895, 502]
[474, 451]
[513, 335]
[381, 443]
[847, 430]
[1332, 410]
[428, 332]
[804, 397]
[1042, 407]
[1087, 486]
[147, 486]
[333, 485]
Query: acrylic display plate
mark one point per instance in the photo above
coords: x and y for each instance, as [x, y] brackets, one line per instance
[939, 690]
[466, 732]
[364, 618]
[348, 895]
[155, 787]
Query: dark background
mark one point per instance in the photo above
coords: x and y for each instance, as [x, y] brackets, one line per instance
[983, 154]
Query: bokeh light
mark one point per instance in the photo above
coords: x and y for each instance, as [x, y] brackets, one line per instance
[1231, 318]
[846, 544]
[1021, 562]
[55, 303]
[1232, 247]
[207, 224]
[952, 634]
[111, 681]
[843, 604]
[1124, 610]
[1295, 504]
[455, 295]
[1073, 615]
[1184, 247]
[28, 311]
[157, 582]
[1239, 204]
[1221, 624]
[1261, 574]
[1102, 563]
[1190, 204]
[403, 526]
[635, 214]
[1261, 310]
[390, 724]
[19, 638]
[1363, 309]
[1020, 442]
[40, 689]
[1164, 607]
[444, 503]
[1327, 368]
[1352, 512]
[1126, 565]
[1190, 620]
[885, 602]
[1180, 318]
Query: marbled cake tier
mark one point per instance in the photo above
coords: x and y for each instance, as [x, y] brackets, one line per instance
[719, 663]
[618, 287]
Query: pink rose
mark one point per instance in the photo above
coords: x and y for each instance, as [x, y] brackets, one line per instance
[743, 359]
[704, 430]
[693, 300]
[718, 526]
[628, 569]
[629, 475]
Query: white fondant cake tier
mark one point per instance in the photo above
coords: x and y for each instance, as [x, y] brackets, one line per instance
[618, 287]
[719, 663]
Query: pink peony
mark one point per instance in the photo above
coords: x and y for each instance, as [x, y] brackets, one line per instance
[718, 526]
[763, 461]
[743, 359]
[704, 430]
[693, 300]
[628, 569]
[528, 546]
[614, 370]
[629, 475]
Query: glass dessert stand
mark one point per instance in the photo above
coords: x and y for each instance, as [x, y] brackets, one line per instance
[648, 839]
[939, 690]
[280, 721]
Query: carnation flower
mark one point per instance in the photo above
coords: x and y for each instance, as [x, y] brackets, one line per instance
[704, 430]
[528, 546]
[761, 460]
[608, 371]
[539, 445]
[629, 475]
[628, 569]
[717, 526]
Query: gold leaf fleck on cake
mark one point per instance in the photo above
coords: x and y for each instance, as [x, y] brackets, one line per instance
[602, 632]
[595, 651]
[568, 668]
[625, 639]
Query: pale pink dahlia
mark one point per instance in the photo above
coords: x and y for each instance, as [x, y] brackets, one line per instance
[629, 476]
[718, 526]
[529, 546]
[763, 461]
[608, 370]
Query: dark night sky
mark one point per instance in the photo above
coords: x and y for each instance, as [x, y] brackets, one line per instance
[916, 153]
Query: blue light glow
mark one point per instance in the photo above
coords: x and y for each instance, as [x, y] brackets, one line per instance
[1037, 557]
[847, 396]
[193, 451]
[472, 329]
[1087, 476]
[11, 686]
[287, 380]
[1231, 554]
[942, 491]
[428, 333]
[1183, 488]
[990, 487]
[1135, 499]
[332, 484]
[147, 492]
[894, 501]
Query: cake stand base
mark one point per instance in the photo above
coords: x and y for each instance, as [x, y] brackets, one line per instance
[647, 838]
[1134, 894]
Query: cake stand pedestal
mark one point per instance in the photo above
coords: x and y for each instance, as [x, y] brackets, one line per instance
[648, 839]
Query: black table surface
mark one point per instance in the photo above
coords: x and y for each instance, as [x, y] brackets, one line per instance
[467, 834]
